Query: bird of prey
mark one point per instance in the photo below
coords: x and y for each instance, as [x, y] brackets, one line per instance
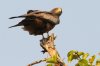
[38, 22]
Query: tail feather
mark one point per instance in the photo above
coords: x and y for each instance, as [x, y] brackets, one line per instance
[21, 16]
[16, 17]
[14, 26]
[13, 17]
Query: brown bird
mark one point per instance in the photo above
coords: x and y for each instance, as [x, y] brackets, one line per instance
[39, 22]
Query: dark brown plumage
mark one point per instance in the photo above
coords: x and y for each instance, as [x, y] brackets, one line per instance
[39, 22]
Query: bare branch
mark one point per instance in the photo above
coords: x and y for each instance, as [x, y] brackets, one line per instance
[36, 62]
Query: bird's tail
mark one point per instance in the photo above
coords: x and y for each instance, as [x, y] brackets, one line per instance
[17, 17]
[14, 26]
[23, 16]
[19, 24]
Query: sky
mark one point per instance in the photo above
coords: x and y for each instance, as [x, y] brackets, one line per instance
[79, 29]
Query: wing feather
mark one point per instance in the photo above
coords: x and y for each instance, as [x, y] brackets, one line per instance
[45, 15]
[50, 17]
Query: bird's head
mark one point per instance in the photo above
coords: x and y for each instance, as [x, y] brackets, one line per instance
[57, 11]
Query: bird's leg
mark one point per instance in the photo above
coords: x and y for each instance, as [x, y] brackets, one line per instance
[43, 36]
[47, 34]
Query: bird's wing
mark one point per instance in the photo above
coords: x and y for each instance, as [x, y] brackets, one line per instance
[45, 16]
[42, 15]
[30, 11]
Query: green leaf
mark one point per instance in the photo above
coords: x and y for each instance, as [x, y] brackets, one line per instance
[70, 58]
[80, 53]
[52, 59]
[71, 52]
[74, 55]
[85, 56]
[91, 60]
[49, 64]
[71, 55]
[83, 62]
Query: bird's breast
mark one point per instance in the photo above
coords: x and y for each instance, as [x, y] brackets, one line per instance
[38, 28]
